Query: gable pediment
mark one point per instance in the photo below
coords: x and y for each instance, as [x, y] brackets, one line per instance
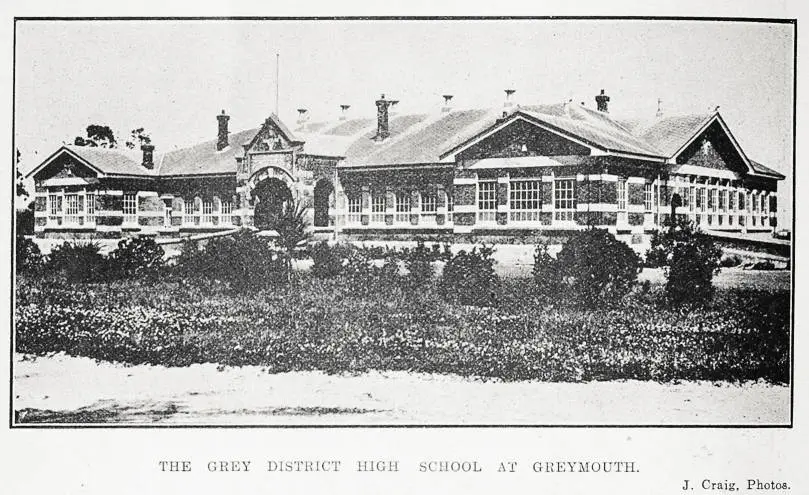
[64, 166]
[273, 136]
[714, 149]
[521, 138]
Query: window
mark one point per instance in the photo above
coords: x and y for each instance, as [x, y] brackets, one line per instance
[487, 201]
[207, 213]
[130, 209]
[226, 214]
[712, 200]
[402, 207]
[188, 213]
[741, 201]
[354, 209]
[755, 203]
[722, 200]
[378, 208]
[72, 210]
[428, 206]
[690, 198]
[648, 198]
[450, 205]
[563, 200]
[55, 202]
[701, 199]
[621, 194]
[90, 202]
[731, 201]
[525, 200]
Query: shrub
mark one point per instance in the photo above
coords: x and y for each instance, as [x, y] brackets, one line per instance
[545, 272]
[328, 260]
[27, 256]
[79, 262]
[243, 260]
[419, 264]
[137, 257]
[596, 268]
[690, 258]
[469, 278]
[24, 220]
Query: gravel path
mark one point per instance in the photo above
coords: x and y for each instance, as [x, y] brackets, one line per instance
[78, 390]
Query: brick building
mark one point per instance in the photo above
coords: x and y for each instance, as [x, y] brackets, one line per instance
[516, 173]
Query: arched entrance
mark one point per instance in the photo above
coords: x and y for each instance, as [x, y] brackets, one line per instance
[272, 196]
[323, 189]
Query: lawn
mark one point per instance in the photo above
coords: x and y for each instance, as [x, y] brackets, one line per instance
[339, 325]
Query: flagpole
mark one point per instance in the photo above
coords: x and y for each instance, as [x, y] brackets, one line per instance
[277, 62]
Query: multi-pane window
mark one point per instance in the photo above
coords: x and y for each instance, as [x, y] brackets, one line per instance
[90, 205]
[731, 201]
[741, 201]
[648, 197]
[226, 213]
[429, 205]
[712, 200]
[621, 194]
[402, 214]
[450, 205]
[55, 203]
[755, 203]
[378, 208]
[207, 212]
[563, 200]
[73, 209]
[690, 198]
[487, 201]
[722, 200]
[354, 209]
[130, 208]
[525, 200]
[188, 213]
[701, 199]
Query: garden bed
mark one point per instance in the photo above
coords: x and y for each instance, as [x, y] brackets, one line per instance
[327, 325]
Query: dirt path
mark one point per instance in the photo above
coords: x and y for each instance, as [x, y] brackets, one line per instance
[79, 390]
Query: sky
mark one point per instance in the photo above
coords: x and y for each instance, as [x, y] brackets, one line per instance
[173, 77]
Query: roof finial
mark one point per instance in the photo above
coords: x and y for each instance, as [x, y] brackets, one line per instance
[659, 108]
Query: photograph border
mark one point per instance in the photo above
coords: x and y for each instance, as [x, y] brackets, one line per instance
[12, 314]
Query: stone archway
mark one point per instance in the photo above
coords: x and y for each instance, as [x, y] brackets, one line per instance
[323, 190]
[272, 196]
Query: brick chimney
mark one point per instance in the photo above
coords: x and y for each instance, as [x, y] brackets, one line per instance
[382, 129]
[343, 110]
[222, 137]
[447, 105]
[302, 118]
[148, 155]
[508, 103]
[601, 102]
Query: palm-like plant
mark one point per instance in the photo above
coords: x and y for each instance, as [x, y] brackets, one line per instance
[292, 229]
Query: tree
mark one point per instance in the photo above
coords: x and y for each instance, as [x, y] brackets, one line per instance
[138, 138]
[21, 191]
[97, 136]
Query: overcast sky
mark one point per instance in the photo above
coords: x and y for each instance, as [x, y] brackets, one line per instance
[173, 77]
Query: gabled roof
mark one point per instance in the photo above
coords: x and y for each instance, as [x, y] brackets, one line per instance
[762, 170]
[204, 159]
[104, 161]
[669, 134]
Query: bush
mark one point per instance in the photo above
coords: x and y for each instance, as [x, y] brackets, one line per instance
[24, 220]
[730, 261]
[244, 261]
[137, 257]
[690, 258]
[79, 262]
[545, 272]
[469, 278]
[328, 260]
[596, 268]
[419, 264]
[27, 256]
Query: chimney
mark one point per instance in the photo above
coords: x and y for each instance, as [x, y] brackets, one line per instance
[148, 154]
[659, 113]
[343, 110]
[222, 141]
[601, 102]
[447, 106]
[508, 102]
[301, 118]
[382, 130]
